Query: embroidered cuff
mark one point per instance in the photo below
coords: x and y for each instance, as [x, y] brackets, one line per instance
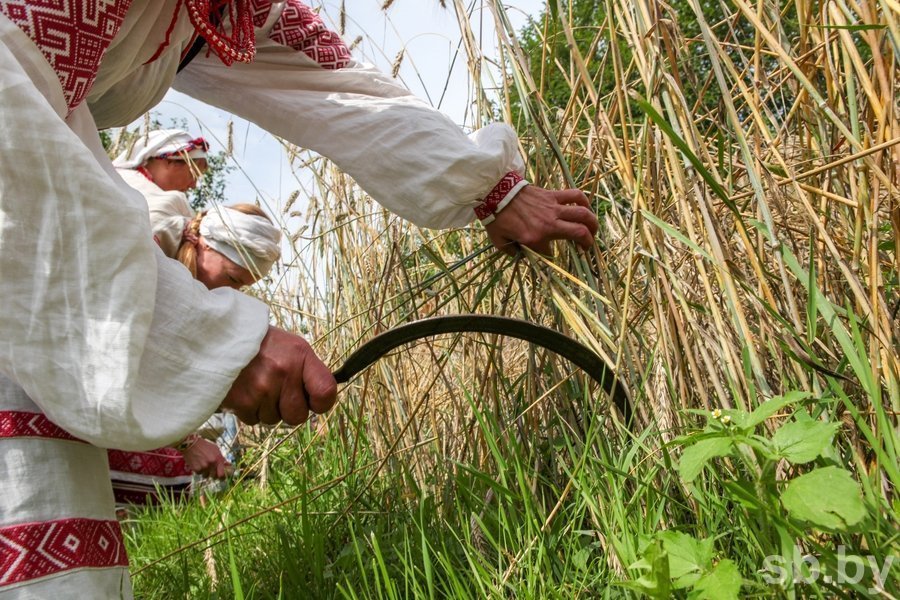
[500, 196]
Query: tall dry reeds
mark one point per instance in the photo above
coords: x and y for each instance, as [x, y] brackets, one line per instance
[745, 251]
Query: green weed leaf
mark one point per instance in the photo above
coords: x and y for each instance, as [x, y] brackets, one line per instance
[655, 581]
[862, 27]
[689, 558]
[772, 406]
[682, 145]
[695, 457]
[827, 497]
[802, 442]
[722, 583]
[672, 231]
[237, 588]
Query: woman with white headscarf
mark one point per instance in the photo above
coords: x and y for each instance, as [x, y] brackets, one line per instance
[228, 246]
[170, 158]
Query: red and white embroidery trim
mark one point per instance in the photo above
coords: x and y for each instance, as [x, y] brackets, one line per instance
[32, 550]
[303, 30]
[164, 462]
[240, 46]
[259, 11]
[73, 35]
[194, 144]
[15, 424]
[500, 196]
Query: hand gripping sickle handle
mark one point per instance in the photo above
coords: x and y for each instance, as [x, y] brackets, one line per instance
[577, 353]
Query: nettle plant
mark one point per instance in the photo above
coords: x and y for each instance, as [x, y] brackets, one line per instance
[783, 496]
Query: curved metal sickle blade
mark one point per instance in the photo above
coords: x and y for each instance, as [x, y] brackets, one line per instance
[576, 352]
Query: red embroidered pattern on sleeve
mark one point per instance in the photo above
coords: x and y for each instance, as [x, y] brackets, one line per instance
[164, 462]
[30, 551]
[16, 424]
[302, 29]
[259, 11]
[73, 35]
[489, 205]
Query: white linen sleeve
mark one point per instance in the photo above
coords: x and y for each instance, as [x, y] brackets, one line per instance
[409, 157]
[114, 342]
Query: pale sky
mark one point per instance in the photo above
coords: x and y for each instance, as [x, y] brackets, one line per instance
[430, 36]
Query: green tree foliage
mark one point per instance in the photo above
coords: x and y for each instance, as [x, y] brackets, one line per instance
[211, 187]
[551, 64]
[544, 43]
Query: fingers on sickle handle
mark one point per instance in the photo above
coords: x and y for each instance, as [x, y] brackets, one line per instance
[310, 388]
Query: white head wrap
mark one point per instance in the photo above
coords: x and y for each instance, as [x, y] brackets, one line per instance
[161, 143]
[250, 241]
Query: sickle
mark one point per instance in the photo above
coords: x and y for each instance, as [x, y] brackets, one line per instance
[578, 353]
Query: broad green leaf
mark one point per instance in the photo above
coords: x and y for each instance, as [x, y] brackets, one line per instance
[803, 441]
[760, 443]
[772, 406]
[689, 557]
[694, 457]
[827, 497]
[655, 581]
[582, 557]
[722, 583]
